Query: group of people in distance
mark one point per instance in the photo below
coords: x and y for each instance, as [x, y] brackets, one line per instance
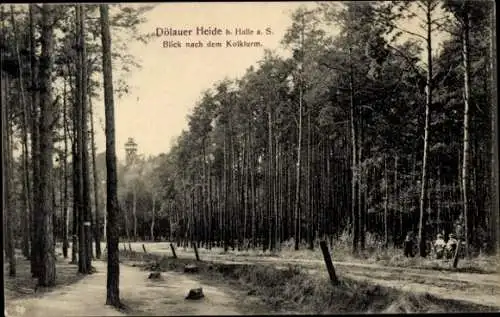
[441, 248]
[445, 249]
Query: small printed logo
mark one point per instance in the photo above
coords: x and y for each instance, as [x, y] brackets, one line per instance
[19, 309]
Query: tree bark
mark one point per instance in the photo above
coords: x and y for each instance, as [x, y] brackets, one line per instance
[354, 166]
[86, 212]
[77, 124]
[47, 274]
[270, 187]
[112, 285]
[297, 234]
[309, 182]
[65, 175]
[35, 151]
[26, 180]
[386, 201]
[134, 207]
[6, 175]
[428, 104]
[97, 227]
[153, 219]
[466, 146]
[494, 225]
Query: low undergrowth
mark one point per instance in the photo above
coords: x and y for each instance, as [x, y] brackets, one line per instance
[291, 288]
[375, 253]
[23, 285]
[479, 265]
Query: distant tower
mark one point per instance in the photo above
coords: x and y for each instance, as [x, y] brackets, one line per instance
[130, 151]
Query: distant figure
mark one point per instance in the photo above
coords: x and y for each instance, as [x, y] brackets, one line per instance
[409, 245]
[459, 227]
[439, 246]
[451, 246]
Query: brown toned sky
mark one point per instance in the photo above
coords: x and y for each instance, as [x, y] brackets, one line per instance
[171, 80]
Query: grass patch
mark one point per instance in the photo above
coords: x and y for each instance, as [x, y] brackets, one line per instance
[23, 285]
[291, 288]
[477, 265]
[374, 253]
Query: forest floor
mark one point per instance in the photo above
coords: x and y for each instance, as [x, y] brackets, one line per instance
[86, 296]
[242, 283]
[481, 286]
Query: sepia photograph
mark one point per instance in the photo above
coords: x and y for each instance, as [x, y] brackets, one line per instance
[249, 158]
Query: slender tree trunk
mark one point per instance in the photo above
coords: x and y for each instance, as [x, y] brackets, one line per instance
[277, 196]
[87, 210]
[76, 194]
[35, 152]
[299, 145]
[246, 157]
[397, 205]
[270, 190]
[47, 274]
[466, 146]
[253, 196]
[309, 181]
[104, 225]
[25, 214]
[386, 201]
[362, 186]
[78, 166]
[6, 175]
[354, 167]
[226, 200]
[79, 117]
[134, 211]
[26, 181]
[428, 104]
[439, 200]
[54, 204]
[113, 277]
[65, 175]
[297, 182]
[97, 227]
[494, 225]
[206, 199]
[153, 219]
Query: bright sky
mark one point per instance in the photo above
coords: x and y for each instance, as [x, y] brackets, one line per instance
[171, 80]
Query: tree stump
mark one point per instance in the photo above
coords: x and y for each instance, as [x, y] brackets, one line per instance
[154, 276]
[155, 266]
[195, 293]
[191, 268]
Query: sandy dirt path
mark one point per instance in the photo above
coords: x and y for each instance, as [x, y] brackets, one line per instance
[481, 289]
[143, 296]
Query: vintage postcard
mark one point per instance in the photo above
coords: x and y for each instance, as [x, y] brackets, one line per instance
[241, 158]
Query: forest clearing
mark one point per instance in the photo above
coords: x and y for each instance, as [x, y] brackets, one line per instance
[352, 167]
